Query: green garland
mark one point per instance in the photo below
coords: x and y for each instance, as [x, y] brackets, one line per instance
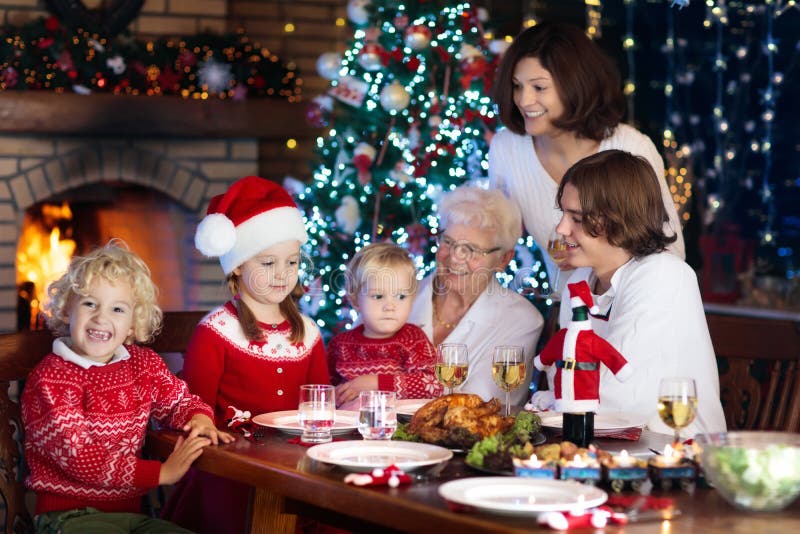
[46, 55]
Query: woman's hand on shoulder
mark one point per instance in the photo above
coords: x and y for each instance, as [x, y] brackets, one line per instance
[202, 425]
[348, 391]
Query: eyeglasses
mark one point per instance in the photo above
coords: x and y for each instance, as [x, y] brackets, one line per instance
[463, 249]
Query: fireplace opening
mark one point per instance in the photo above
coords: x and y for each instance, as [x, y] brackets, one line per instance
[153, 225]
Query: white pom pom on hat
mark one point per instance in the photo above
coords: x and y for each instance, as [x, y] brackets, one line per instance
[215, 235]
[581, 295]
[251, 216]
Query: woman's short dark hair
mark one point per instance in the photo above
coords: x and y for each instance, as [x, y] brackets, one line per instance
[586, 79]
[620, 200]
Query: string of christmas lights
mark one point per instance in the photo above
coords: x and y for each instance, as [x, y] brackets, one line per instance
[46, 55]
[679, 179]
[745, 85]
[594, 18]
[629, 45]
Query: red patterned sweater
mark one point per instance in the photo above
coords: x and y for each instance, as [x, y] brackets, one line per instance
[404, 362]
[225, 369]
[85, 427]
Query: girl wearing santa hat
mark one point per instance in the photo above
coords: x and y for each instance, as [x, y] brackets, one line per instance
[255, 351]
[648, 301]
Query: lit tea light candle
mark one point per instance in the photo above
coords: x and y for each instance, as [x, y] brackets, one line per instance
[578, 461]
[623, 459]
[533, 461]
[670, 458]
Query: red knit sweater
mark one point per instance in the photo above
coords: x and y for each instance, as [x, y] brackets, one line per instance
[404, 362]
[85, 428]
[225, 369]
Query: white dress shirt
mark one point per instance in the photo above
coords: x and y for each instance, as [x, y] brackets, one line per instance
[655, 318]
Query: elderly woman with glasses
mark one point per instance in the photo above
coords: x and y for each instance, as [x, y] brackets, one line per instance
[462, 301]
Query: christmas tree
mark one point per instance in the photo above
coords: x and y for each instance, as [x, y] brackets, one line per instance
[408, 116]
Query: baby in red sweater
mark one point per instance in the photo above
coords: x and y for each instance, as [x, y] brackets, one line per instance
[86, 406]
[383, 352]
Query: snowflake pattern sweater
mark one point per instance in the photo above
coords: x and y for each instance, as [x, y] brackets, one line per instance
[225, 369]
[404, 362]
[85, 425]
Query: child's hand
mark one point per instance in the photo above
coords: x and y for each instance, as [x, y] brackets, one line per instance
[202, 425]
[185, 452]
[348, 391]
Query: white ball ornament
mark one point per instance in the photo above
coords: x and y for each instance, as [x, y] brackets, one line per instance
[394, 97]
[348, 216]
[328, 65]
[418, 37]
[370, 57]
[357, 11]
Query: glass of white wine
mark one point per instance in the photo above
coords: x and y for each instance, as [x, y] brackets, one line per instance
[557, 249]
[677, 403]
[452, 365]
[508, 370]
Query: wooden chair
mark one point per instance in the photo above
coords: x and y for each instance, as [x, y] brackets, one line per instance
[19, 354]
[758, 367]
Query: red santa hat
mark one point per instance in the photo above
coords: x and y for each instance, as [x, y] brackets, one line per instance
[252, 215]
[581, 295]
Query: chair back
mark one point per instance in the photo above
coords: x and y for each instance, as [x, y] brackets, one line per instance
[758, 371]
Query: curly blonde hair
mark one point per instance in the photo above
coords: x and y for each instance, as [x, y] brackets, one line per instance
[112, 262]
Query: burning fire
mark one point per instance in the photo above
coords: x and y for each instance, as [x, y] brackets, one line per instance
[42, 255]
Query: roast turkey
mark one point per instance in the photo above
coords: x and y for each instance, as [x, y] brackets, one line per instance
[459, 420]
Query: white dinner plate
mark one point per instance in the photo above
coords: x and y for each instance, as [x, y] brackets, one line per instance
[366, 455]
[409, 407]
[286, 421]
[522, 496]
[602, 421]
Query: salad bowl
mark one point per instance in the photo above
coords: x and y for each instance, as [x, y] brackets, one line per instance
[758, 471]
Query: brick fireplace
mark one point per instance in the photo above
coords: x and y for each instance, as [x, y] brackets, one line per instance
[185, 172]
[166, 180]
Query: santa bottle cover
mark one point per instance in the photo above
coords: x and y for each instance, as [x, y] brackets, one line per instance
[577, 352]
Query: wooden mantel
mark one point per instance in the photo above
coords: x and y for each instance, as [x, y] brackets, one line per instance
[44, 112]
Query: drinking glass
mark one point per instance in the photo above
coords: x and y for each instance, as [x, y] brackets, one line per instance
[557, 249]
[316, 412]
[452, 365]
[508, 370]
[677, 403]
[377, 414]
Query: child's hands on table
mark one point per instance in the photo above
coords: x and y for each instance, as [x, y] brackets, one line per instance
[348, 391]
[202, 425]
[186, 451]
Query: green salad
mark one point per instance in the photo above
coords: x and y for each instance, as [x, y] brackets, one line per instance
[495, 453]
[765, 478]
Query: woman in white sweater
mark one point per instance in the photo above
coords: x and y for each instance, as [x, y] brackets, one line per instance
[560, 99]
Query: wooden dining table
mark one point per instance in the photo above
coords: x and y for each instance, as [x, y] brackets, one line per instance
[288, 483]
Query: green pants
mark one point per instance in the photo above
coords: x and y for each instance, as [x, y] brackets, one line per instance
[93, 521]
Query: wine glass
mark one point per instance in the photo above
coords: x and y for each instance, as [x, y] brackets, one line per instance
[508, 370]
[677, 403]
[452, 365]
[557, 249]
